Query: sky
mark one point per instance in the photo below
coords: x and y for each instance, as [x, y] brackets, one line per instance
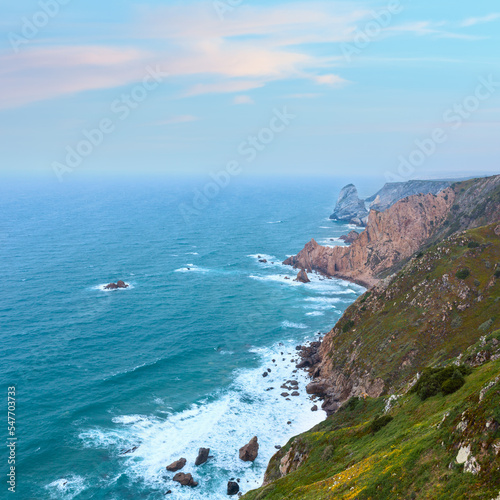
[391, 89]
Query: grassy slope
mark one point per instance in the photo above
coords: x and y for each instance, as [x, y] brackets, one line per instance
[414, 323]
[417, 321]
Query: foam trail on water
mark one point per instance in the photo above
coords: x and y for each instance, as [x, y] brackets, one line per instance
[225, 424]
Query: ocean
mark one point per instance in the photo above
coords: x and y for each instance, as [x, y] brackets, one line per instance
[173, 363]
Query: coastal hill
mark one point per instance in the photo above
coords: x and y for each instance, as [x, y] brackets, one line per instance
[393, 235]
[410, 377]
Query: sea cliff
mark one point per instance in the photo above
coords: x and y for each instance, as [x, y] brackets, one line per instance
[410, 375]
[392, 236]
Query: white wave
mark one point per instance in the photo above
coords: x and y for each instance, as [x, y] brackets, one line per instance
[102, 288]
[289, 324]
[191, 268]
[192, 253]
[277, 278]
[263, 256]
[315, 313]
[225, 424]
[323, 300]
[128, 419]
[66, 488]
[276, 222]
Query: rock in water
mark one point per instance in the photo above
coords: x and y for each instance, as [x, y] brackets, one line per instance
[202, 456]
[250, 451]
[116, 286]
[176, 466]
[349, 205]
[233, 488]
[185, 480]
[302, 277]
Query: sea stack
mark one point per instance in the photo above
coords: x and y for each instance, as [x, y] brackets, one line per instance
[302, 277]
[250, 451]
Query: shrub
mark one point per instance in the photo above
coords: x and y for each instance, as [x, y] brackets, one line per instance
[463, 274]
[379, 423]
[366, 296]
[352, 404]
[348, 326]
[435, 380]
[453, 384]
[473, 244]
[497, 273]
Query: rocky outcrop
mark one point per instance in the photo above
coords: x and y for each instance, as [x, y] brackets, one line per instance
[233, 488]
[185, 480]
[390, 238]
[350, 238]
[177, 466]
[202, 457]
[392, 192]
[116, 286]
[349, 206]
[302, 277]
[250, 451]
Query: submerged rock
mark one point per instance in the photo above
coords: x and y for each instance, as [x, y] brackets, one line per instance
[176, 466]
[116, 286]
[250, 451]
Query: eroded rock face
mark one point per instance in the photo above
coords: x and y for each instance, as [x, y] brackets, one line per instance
[176, 466]
[349, 205]
[250, 451]
[350, 238]
[390, 237]
[185, 480]
[392, 192]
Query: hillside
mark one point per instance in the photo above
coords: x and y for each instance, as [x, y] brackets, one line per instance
[441, 308]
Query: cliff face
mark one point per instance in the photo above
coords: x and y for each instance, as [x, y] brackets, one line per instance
[349, 206]
[389, 238]
[394, 191]
[446, 445]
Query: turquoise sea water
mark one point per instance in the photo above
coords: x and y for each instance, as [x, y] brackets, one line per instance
[173, 363]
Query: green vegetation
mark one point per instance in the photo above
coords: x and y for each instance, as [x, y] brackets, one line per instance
[463, 274]
[430, 321]
[349, 324]
[435, 380]
[380, 422]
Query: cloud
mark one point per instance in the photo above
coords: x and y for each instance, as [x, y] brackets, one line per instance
[257, 46]
[472, 21]
[332, 80]
[243, 99]
[45, 73]
[174, 120]
[429, 28]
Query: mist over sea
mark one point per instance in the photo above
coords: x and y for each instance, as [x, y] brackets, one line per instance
[174, 362]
